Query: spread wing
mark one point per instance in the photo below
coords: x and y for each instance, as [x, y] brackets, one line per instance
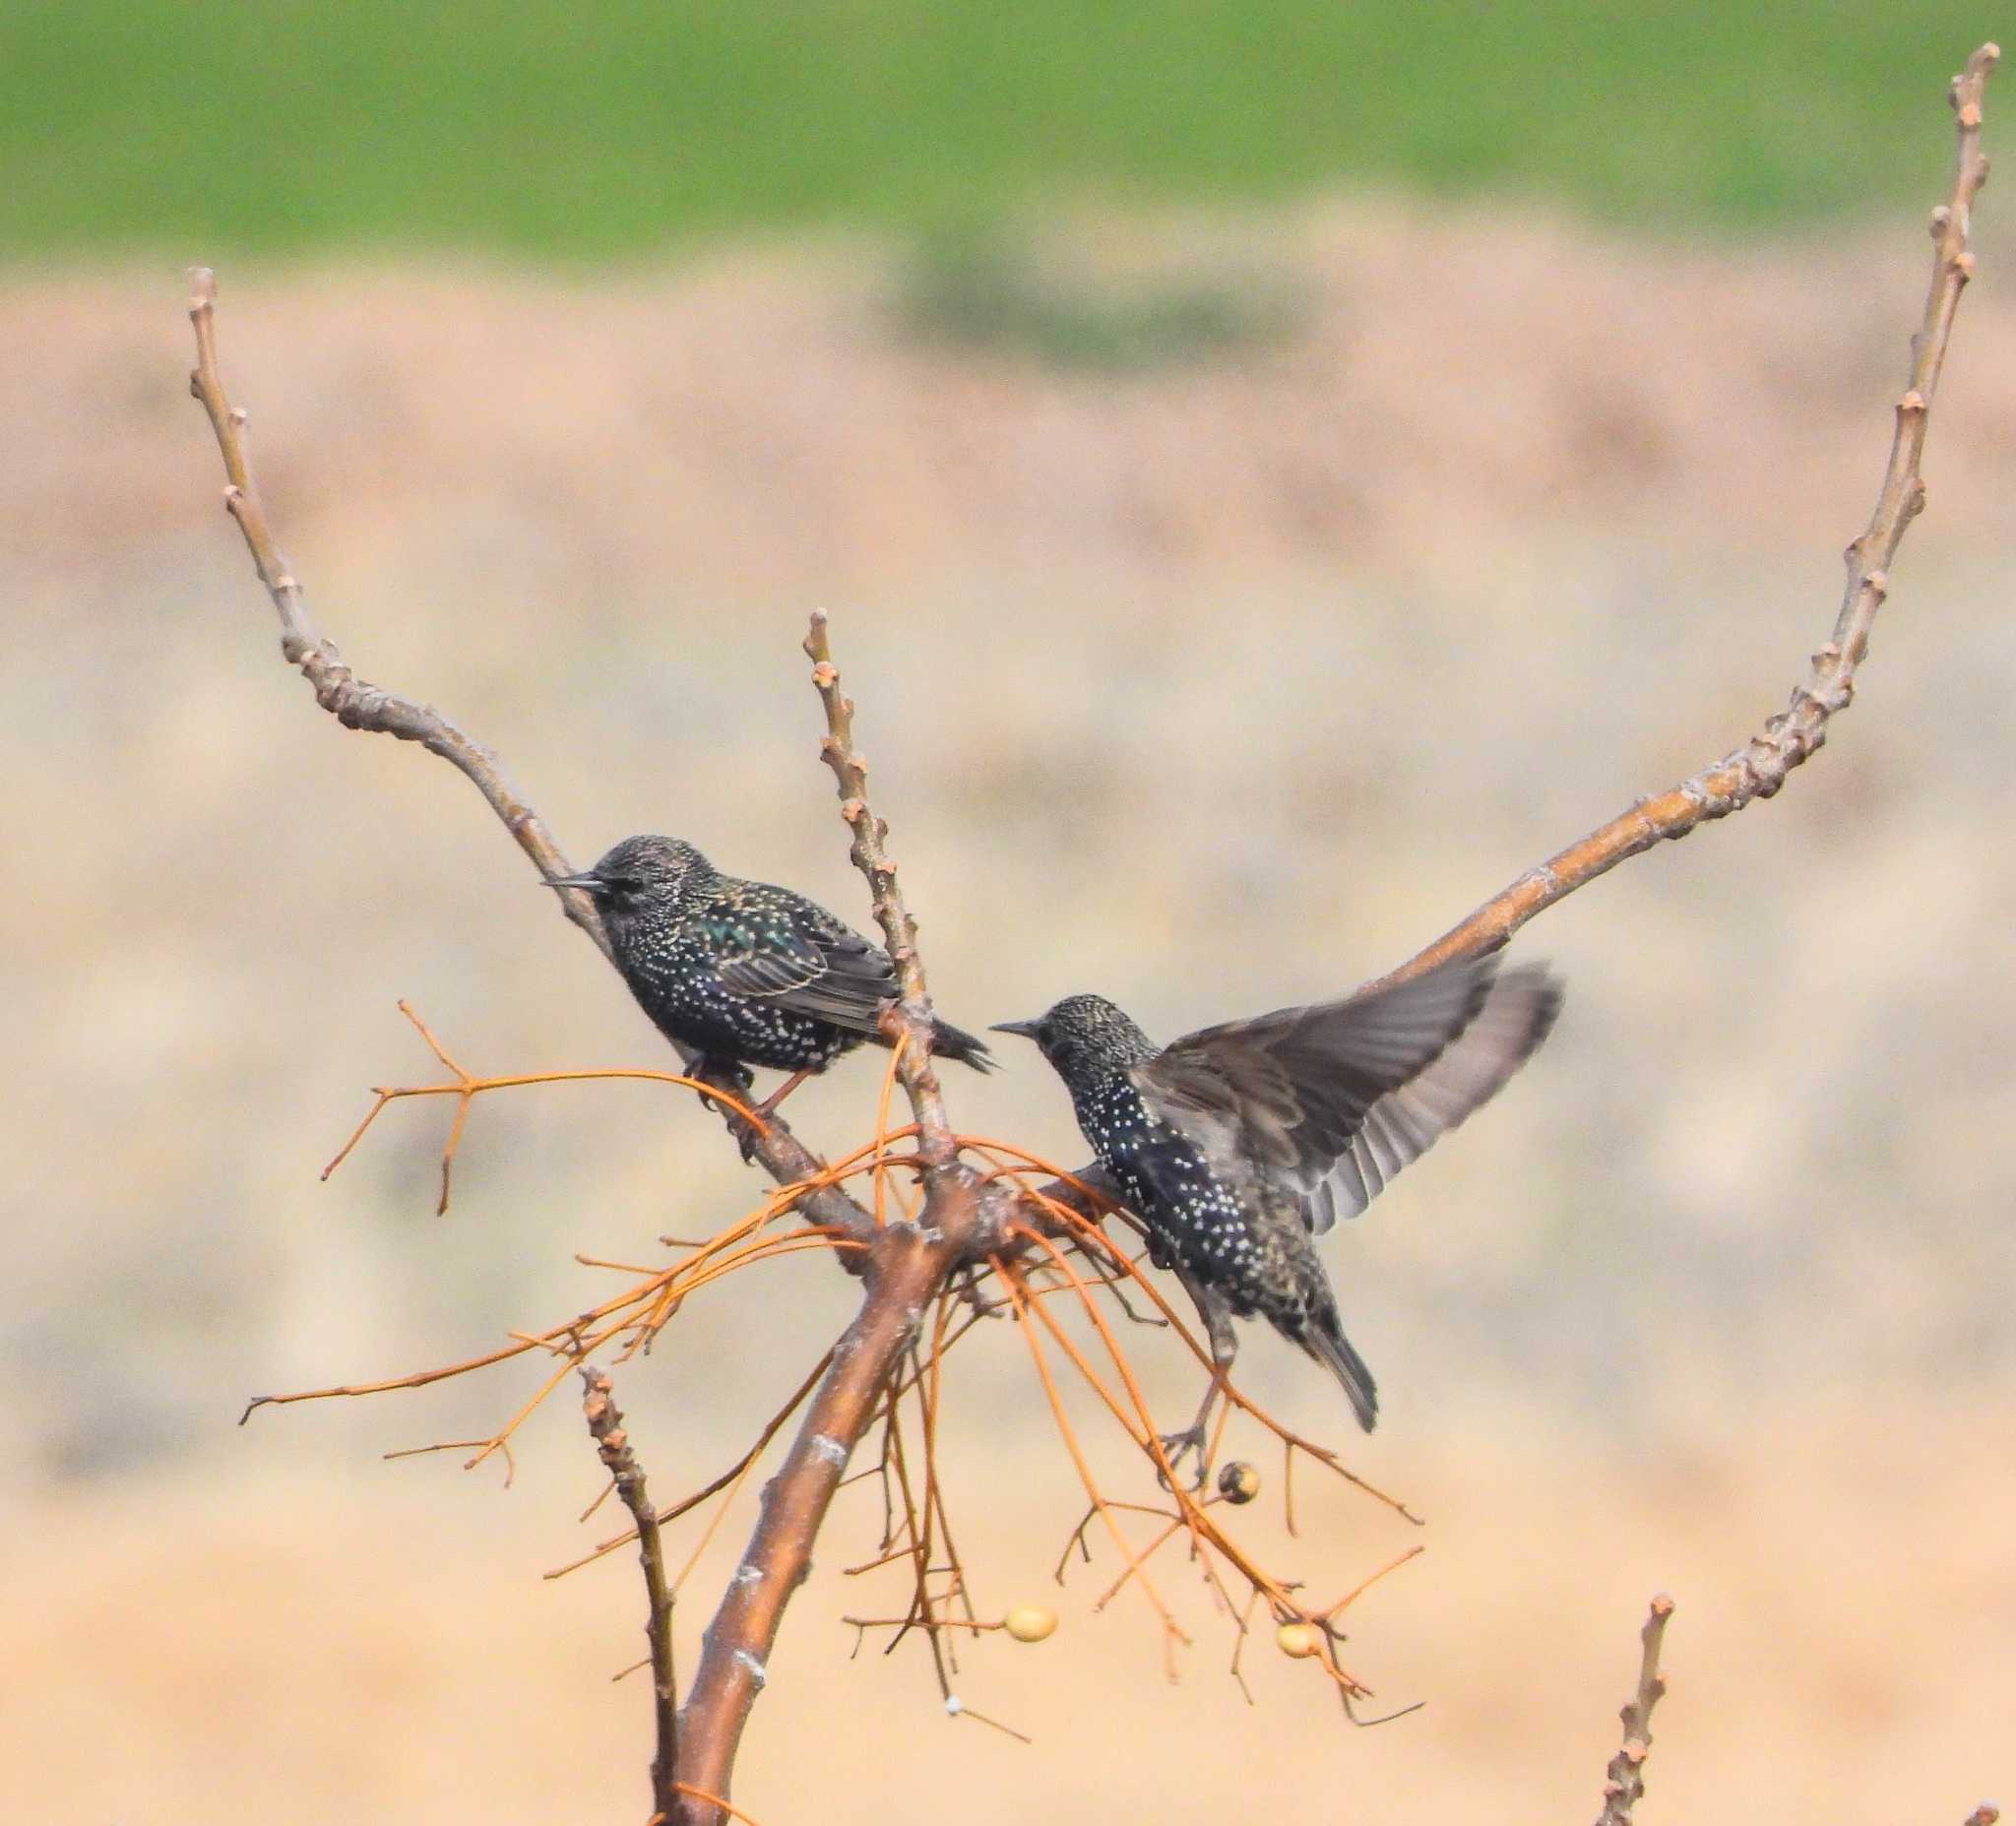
[1517, 1013]
[810, 963]
[1332, 1099]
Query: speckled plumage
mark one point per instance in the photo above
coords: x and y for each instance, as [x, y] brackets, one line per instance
[1238, 1145]
[742, 971]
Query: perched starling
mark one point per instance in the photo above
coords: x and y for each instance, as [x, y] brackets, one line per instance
[744, 973]
[1238, 1145]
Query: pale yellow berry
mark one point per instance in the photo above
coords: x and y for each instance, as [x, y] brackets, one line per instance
[1299, 1640]
[1029, 1622]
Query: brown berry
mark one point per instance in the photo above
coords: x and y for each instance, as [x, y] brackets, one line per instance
[1238, 1482]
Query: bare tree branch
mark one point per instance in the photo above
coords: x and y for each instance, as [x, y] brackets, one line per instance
[605, 1427]
[1624, 1779]
[907, 1271]
[1757, 769]
[360, 705]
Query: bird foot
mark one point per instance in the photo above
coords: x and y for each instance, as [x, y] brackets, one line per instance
[969, 1289]
[1179, 1446]
[748, 1134]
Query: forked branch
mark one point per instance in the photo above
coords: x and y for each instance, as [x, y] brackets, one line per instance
[906, 1265]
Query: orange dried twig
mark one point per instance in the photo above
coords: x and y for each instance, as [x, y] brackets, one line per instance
[468, 1086]
[1208, 1537]
[1013, 1280]
[1087, 1234]
[713, 1801]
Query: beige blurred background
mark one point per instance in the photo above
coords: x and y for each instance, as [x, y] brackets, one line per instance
[1214, 686]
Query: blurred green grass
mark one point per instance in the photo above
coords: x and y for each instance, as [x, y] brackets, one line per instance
[978, 290]
[593, 131]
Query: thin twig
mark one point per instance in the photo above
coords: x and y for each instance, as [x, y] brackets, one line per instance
[734, 1474]
[912, 1014]
[1171, 1632]
[1624, 1779]
[712, 1800]
[605, 1427]
[1191, 1516]
[636, 1309]
[468, 1086]
[468, 1445]
[1061, 1218]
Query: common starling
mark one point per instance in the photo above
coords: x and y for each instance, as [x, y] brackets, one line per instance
[744, 973]
[1238, 1145]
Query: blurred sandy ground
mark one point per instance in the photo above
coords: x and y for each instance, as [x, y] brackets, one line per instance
[1213, 689]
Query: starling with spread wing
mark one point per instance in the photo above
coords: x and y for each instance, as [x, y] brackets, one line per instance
[744, 973]
[1238, 1145]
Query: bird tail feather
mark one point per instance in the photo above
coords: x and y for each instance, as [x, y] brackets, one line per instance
[955, 1042]
[1327, 1343]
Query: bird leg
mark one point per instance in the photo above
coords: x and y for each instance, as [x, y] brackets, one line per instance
[752, 1131]
[768, 1107]
[1225, 1349]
